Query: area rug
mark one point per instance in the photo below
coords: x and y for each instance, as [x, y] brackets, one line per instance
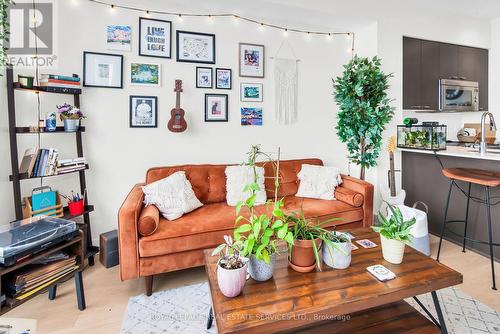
[185, 309]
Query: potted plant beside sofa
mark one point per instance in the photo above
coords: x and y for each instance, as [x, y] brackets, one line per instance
[258, 233]
[231, 267]
[395, 232]
[307, 240]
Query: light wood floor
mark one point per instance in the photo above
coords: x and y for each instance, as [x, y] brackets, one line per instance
[107, 296]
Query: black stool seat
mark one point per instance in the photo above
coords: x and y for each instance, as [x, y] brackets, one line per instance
[484, 178]
[476, 176]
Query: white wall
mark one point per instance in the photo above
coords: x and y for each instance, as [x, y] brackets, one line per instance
[119, 156]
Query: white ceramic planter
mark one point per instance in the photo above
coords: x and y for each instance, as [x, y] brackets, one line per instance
[335, 258]
[392, 250]
[231, 282]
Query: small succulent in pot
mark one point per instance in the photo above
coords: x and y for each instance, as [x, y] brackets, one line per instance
[231, 268]
[337, 252]
[395, 232]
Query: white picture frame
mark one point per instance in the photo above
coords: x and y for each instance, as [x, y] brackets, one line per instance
[119, 37]
[251, 92]
[251, 60]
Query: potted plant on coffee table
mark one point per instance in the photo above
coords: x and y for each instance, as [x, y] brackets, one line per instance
[258, 234]
[395, 232]
[307, 240]
[332, 254]
[231, 267]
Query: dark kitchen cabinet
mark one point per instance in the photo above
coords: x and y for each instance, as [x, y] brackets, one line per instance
[425, 62]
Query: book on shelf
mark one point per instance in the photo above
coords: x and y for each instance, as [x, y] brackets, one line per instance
[59, 89]
[28, 162]
[45, 77]
[41, 163]
[59, 83]
[71, 165]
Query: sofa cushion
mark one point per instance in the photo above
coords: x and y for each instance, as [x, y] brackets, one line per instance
[237, 178]
[149, 220]
[205, 227]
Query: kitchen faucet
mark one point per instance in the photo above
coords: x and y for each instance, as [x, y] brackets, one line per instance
[493, 126]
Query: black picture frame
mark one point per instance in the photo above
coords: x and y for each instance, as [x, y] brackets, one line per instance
[230, 78]
[87, 53]
[226, 97]
[140, 37]
[155, 98]
[211, 77]
[178, 32]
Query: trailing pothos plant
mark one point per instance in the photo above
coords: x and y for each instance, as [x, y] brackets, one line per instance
[258, 234]
[4, 31]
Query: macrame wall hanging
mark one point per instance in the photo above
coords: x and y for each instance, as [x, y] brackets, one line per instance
[286, 86]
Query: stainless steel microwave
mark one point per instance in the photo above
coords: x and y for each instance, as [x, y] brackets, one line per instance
[458, 95]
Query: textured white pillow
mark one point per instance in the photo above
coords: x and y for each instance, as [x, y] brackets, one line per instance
[318, 182]
[237, 177]
[173, 196]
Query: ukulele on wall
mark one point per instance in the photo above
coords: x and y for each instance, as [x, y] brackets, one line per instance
[177, 122]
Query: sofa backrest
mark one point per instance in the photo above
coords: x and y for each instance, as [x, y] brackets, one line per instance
[209, 181]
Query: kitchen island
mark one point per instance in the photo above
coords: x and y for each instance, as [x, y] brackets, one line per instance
[423, 180]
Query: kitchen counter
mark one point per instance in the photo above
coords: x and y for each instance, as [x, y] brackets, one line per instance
[461, 152]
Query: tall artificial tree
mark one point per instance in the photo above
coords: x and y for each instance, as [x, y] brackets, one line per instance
[361, 94]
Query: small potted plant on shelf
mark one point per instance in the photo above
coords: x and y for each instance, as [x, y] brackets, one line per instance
[307, 240]
[395, 232]
[71, 116]
[258, 234]
[231, 267]
[332, 255]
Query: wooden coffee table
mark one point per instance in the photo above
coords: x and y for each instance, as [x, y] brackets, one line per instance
[335, 301]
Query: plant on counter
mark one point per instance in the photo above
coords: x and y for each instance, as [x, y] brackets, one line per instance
[231, 267]
[258, 233]
[361, 94]
[332, 255]
[307, 240]
[395, 232]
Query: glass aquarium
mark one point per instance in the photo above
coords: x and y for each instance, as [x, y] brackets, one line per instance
[422, 137]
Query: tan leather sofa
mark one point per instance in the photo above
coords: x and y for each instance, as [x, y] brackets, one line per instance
[150, 244]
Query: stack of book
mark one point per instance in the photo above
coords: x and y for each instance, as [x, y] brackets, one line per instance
[38, 163]
[54, 81]
[70, 165]
[34, 278]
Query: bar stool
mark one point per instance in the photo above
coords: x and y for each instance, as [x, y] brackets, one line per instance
[487, 179]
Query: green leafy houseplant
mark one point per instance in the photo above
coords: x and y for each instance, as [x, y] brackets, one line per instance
[258, 233]
[395, 227]
[361, 94]
[4, 31]
[305, 230]
[229, 253]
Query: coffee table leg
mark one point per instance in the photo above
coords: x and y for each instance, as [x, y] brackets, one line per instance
[210, 319]
[439, 312]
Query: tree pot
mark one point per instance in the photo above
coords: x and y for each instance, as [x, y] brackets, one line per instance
[302, 258]
[260, 270]
[392, 250]
[334, 258]
[71, 125]
[231, 281]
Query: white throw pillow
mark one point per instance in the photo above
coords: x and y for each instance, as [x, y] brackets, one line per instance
[237, 177]
[318, 182]
[173, 196]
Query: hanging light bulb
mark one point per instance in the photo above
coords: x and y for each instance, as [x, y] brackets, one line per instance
[112, 8]
[147, 13]
[179, 17]
[329, 37]
[261, 27]
[236, 19]
[210, 18]
[308, 36]
[285, 32]
[348, 36]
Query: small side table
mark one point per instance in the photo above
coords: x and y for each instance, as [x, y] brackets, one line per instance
[75, 246]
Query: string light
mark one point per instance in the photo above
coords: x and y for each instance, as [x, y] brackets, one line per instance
[262, 25]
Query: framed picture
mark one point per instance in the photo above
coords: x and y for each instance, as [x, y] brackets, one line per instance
[155, 38]
[223, 78]
[102, 70]
[251, 92]
[119, 37]
[195, 47]
[216, 106]
[251, 116]
[145, 74]
[143, 111]
[204, 77]
[251, 60]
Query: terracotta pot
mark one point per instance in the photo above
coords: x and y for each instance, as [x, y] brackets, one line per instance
[303, 252]
[231, 281]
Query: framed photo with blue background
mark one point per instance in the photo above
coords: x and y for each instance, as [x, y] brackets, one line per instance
[155, 38]
[223, 78]
[143, 111]
[145, 74]
[204, 77]
[251, 92]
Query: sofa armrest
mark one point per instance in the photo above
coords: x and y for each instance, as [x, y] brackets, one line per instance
[365, 189]
[128, 236]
